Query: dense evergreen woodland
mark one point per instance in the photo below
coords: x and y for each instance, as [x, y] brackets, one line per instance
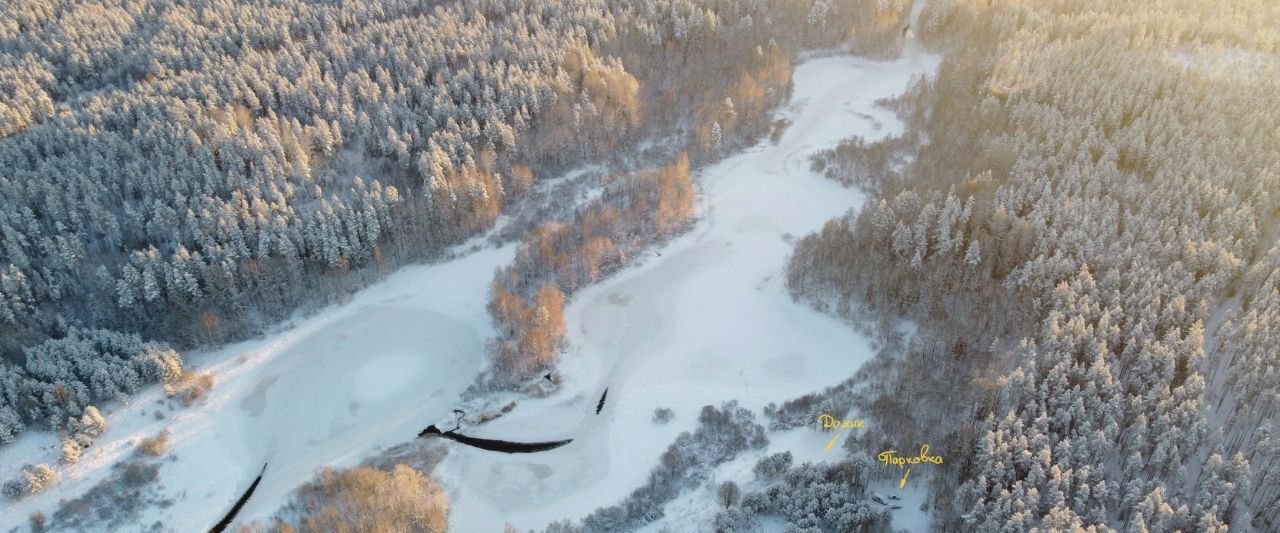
[1088, 234]
[1081, 220]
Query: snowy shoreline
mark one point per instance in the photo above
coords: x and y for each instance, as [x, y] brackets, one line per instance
[708, 320]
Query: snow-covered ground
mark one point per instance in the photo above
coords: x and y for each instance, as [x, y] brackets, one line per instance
[326, 391]
[1224, 63]
[707, 320]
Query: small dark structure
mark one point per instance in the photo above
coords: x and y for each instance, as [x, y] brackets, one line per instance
[600, 405]
[494, 444]
[906, 29]
[235, 509]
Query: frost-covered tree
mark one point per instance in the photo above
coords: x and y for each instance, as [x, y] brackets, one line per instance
[770, 466]
[728, 493]
[38, 477]
[71, 451]
[10, 424]
[64, 376]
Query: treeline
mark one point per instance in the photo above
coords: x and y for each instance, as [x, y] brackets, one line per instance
[856, 162]
[63, 377]
[527, 297]
[1094, 197]
[199, 178]
[946, 245]
[213, 182]
[829, 496]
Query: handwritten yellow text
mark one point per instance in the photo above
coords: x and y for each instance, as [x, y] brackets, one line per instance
[891, 457]
[831, 422]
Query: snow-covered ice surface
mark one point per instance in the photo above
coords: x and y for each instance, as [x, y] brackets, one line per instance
[326, 391]
[706, 321]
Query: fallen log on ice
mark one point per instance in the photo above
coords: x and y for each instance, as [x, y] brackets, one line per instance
[494, 444]
[235, 509]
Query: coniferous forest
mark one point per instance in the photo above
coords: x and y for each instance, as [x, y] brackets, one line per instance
[1087, 234]
[1062, 255]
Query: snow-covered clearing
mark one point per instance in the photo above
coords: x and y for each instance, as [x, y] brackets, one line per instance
[706, 321]
[1221, 62]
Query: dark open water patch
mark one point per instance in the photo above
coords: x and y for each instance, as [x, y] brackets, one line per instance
[494, 444]
[600, 405]
[231, 515]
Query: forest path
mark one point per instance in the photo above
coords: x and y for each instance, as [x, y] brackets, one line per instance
[707, 321]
